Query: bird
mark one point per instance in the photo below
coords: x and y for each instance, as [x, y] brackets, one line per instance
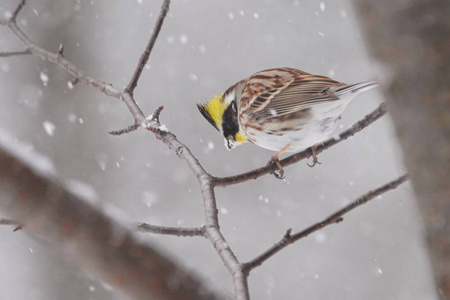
[280, 109]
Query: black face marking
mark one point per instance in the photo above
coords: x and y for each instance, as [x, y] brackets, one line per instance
[207, 116]
[230, 125]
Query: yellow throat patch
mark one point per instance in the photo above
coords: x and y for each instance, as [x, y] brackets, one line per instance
[240, 137]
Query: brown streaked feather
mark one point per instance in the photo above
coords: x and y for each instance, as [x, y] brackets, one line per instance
[303, 92]
[267, 83]
[295, 91]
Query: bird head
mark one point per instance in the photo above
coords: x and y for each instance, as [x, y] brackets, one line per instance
[221, 112]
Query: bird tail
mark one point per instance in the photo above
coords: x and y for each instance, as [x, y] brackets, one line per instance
[356, 88]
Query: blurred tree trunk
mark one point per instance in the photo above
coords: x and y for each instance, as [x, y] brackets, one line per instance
[87, 237]
[410, 39]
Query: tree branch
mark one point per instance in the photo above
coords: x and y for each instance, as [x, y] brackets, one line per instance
[8, 222]
[128, 129]
[332, 219]
[148, 50]
[212, 230]
[177, 231]
[14, 53]
[11, 222]
[17, 11]
[254, 174]
[59, 60]
[142, 227]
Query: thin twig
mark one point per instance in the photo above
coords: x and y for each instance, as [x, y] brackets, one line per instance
[8, 222]
[17, 10]
[61, 61]
[155, 116]
[254, 174]
[128, 129]
[11, 222]
[212, 228]
[148, 50]
[14, 53]
[177, 231]
[289, 238]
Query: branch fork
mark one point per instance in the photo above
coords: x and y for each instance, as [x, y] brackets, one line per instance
[211, 230]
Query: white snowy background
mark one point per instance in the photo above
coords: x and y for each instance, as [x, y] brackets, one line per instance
[204, 47]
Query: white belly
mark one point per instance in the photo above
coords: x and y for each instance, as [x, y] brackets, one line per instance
[308, 132]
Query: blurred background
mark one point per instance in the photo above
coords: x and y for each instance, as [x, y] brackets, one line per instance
[204, 47]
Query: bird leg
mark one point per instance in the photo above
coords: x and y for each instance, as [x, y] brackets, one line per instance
[275, 160]
[314, 155]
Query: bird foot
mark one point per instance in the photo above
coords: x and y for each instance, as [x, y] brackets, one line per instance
[279, 174]
[314, 155]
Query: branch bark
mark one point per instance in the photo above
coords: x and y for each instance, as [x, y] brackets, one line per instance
[336, 217]
[254, 174]
[176, 231]
[148, 50]
[14, 53]
[212, 230]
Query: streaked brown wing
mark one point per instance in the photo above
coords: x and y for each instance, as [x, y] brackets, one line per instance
[296, 95]
[259, 88]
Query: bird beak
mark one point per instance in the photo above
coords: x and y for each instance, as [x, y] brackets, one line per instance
[229, 143]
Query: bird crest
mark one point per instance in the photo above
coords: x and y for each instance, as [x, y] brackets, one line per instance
[213, 110]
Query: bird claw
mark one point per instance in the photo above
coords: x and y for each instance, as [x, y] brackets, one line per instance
[315, 162]
[314, 156]
[279, 173]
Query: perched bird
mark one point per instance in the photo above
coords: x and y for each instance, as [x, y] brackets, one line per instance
[282, 109]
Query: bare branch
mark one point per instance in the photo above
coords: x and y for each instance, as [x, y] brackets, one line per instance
[17, 11]
[212, 231]
[177, 231]
[254, 174]
[14, 53]
[142, 227]
[66, 65]
[289, 238]
[61, 61]
[8, 222]
[155, 116]
[153, 119]
[128, 129]
[212, 228]
[148, 50]
[11, 222]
